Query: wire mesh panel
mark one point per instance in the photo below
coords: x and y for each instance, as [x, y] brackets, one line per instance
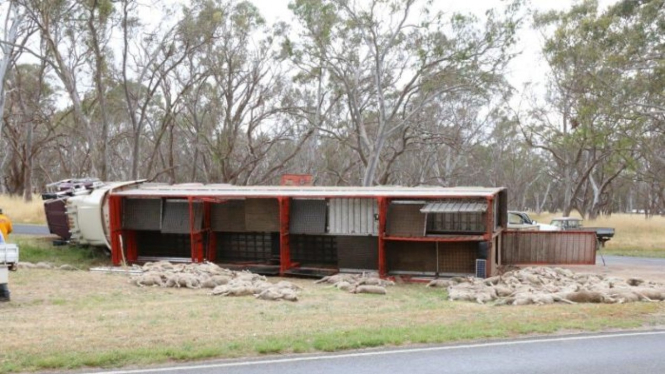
[308, 216]
[358, 252]
[405, 219]
[353, 216]
[175, 219]
[262, 215]
[142, 214]
[457, 257]
[157, 244]
[411, 257]
[247, 247]
[462, 222]
[314, 250]
[228, 216]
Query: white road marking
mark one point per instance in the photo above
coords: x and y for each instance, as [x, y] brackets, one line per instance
[381, 353]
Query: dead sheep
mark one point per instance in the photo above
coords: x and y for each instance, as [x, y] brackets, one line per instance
[151, 279]
[289, 285]
[343, 285]
[183, 280]
[439, 283]
[376, 290]
[634, 281]
[289, 294]
[332, 279]
[375, 282]
[214, 281]
[589, 297]
[269, 294]
[238, 291]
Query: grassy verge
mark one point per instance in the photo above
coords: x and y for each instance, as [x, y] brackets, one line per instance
[40, 249]
[68, 320]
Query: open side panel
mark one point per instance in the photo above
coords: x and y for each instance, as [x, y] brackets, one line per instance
[228, 216]
[548, 247]
[142, 214]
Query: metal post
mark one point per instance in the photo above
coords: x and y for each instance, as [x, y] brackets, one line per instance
[284, 239]
[383, 214]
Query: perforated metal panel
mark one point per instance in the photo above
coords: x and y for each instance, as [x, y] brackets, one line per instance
[142, 214]
[442, 223]
[228, 216]
[314, 250]
[262, 215]
[249, 247]
[156, 244]
[175, 219]
[353, 216]
[358, 252]
[405, 220]
[308, 216]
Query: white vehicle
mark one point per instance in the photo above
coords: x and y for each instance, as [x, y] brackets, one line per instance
[522, 221]
[8, 261]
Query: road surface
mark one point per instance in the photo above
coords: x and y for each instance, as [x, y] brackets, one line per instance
[606, 353]
[23, 229]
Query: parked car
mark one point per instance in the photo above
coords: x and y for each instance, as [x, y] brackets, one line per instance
[575, 224]
[522, 221]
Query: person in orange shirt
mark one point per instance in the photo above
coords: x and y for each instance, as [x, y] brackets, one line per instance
[5, 226]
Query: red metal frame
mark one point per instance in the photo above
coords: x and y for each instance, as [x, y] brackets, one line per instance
[196, 240]
[383, 215]
[284, 238]
[199, 253]
[115, 221]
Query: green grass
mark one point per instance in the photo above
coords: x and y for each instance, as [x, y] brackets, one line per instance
[41, 249]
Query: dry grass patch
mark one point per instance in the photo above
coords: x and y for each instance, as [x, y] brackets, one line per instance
[76, 319]
[21, 212]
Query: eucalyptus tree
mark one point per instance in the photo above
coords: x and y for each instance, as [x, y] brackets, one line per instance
[75, 36]
[28, 130]
[389, 60]
[594, 135]
[243, 92]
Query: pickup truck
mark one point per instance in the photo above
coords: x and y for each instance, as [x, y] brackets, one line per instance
[8, 261]
[522, 221]
[575, 224]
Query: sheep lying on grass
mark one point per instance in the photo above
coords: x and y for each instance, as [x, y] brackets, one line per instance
[222, 282]
[544, 285]
[358, 283]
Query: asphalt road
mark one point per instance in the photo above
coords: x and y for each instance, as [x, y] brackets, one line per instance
[30, 229]
[607, 353]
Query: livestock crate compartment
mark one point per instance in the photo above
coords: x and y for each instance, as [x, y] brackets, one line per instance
[310, 230]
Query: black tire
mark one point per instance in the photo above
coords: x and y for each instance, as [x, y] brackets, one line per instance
[4, 292]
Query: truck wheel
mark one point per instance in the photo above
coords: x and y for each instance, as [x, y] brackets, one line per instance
[4, 292]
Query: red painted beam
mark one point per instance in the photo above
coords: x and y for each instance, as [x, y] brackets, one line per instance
[284, 239]
[115, 214]
[383, 215]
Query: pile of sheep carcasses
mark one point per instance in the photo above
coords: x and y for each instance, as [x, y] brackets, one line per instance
[223, 282]
[357, 283]
[544, 285]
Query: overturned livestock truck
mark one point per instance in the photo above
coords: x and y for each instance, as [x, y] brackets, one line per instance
[316, 231]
